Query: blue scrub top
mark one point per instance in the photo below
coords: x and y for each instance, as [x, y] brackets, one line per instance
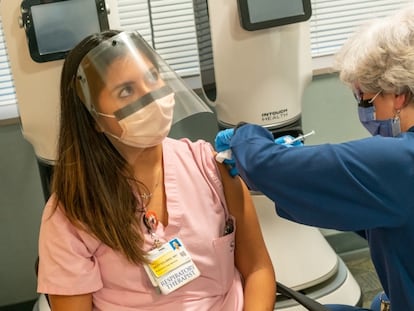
[363, 185]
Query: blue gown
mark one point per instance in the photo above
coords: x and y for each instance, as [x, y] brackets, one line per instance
[364, 185]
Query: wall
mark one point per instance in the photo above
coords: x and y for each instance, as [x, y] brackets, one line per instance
[328, 108]
[21, 203]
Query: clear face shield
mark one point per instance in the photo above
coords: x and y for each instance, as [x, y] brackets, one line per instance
[132, 93]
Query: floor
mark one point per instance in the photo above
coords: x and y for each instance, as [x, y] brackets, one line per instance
[354, 252]
[364, 273]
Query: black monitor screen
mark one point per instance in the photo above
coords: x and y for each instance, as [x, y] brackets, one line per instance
[57, 26]
[260, 14]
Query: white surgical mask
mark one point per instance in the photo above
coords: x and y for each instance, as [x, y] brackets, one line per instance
[148, 126]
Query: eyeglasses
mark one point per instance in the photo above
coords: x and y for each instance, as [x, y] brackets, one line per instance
[358, 94]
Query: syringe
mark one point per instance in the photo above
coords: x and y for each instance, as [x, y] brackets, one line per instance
[300, 137]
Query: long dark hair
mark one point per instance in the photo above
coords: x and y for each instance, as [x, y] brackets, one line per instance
[93, 183]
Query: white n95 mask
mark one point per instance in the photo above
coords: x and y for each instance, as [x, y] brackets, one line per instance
[148, 126]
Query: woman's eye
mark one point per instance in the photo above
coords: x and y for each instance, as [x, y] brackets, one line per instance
[126, 91]
[152, 76]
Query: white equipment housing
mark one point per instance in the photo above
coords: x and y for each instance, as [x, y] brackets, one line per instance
[260, 75]
[37, 85]
[305, 261]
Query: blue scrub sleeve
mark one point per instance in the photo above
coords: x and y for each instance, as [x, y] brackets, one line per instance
[340, 186]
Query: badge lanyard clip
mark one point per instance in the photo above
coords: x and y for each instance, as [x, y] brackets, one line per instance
[151, 223]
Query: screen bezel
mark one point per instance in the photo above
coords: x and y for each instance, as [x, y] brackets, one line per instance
[28, 24]
[246, 23]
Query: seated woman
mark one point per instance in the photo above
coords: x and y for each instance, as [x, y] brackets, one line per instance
[137, 220]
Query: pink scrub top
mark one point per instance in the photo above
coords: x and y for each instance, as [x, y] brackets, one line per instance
[73, 262]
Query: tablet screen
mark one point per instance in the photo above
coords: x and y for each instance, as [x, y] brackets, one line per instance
[61, 25]
[54, 27]
[261, 14]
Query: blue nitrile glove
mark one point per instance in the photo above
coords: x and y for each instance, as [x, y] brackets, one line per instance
[222, 140]
[286, 141]
[224, 155]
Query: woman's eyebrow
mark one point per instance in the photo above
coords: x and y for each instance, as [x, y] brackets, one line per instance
[120, 85]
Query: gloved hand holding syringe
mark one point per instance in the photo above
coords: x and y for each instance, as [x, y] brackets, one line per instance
[222, 144]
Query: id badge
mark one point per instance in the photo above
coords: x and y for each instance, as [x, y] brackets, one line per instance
[170, 266]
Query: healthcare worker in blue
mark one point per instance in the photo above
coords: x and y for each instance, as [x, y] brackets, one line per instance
[365, 185]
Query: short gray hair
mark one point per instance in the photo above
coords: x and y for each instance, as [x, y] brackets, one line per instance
[380, 55]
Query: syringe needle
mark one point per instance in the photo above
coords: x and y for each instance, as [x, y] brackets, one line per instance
[302, 137]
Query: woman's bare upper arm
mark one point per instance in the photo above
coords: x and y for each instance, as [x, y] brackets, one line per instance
[251, 250]
[70, 303]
